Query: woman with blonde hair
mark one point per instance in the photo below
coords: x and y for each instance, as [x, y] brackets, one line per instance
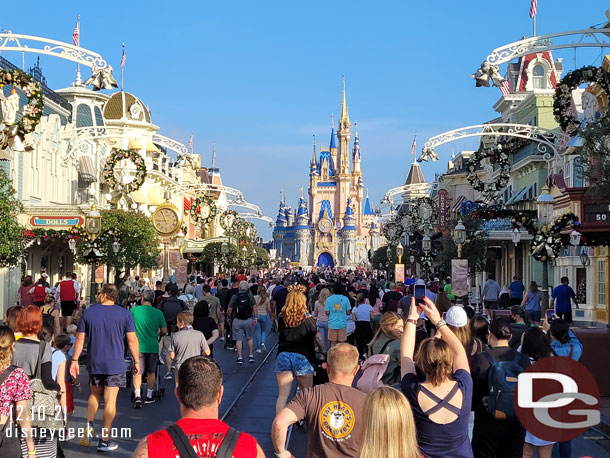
[296, 355]
[388, 427]
[441, 394]
[387, 341]
[319, 313]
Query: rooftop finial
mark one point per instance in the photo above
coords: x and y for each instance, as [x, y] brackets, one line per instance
[301, 192]
[356, 126]
[282, 196]
[332, 120]
[214, 155]
[314, 159]
[344, 121]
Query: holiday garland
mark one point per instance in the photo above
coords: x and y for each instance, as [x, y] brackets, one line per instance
[498, 155]
[113, 160]
[32, 111]
[197, 207]
[562, 102]
[74, 233]
[227, 219]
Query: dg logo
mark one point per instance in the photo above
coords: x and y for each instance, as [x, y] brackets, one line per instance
[557, 399]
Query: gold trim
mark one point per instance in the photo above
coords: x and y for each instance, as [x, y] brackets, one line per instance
[178, 224]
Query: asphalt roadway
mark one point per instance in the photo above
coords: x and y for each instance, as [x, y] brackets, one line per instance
[250, 411]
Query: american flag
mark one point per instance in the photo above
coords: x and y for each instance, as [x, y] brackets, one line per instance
[76, 33]
[413, 145]
[123, 58]
[533, 8]
[505, 87]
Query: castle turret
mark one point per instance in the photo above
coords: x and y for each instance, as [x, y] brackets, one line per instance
[313, 165]
[302, 233]
[344, 136]
[356, 154]
[348, 235]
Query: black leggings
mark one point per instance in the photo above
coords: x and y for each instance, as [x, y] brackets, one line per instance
[364, 334]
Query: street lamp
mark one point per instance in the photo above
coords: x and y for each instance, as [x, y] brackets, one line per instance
[584, 257]
[93, 226]
[426, 243]
[516, 235]
[399, 252]
[575, 237]
[459, 236]
[544, 205]
[72, 244]
[116, 246]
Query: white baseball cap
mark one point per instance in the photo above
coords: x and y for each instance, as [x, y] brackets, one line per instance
[456, 316]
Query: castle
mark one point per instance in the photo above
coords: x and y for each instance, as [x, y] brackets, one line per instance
[337, 226]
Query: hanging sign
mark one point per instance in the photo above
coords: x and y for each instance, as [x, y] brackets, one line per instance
[459, 277]
[399, 272]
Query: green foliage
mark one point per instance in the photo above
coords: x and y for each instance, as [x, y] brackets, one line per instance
[475, 248]
[12, 238]
[232, 259]
[139, 241]
[595, 155]
[262, 257]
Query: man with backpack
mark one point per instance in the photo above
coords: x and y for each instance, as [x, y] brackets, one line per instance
[497, 430]
[171, 306]
[199, 432]
[243, 319]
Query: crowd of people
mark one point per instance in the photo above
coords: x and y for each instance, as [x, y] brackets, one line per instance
[379, 372]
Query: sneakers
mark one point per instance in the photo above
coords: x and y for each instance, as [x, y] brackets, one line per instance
[258, 350]
[85, 441]
[240, 361]
[149, 400]
[106, 446]
[230, 348]
[263, 348]
[251, 359]
[168, 376]
[222, 339]
[137, 403]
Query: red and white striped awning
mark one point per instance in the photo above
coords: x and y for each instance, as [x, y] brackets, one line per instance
[457, 205]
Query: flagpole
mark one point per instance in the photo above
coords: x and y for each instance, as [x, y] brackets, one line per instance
[78, 78]
[122, 66]
[535, 24]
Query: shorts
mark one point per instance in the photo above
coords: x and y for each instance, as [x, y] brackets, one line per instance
[491, 305]
[293, 362]
[67, 308]
[148, 363]
[111, 381]
[241, 329]
[533, 315]
[337, 335]
[567, 316]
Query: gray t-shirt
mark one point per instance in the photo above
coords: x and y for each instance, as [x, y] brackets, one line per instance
[187, 343]
[491, 290]
[26, 355]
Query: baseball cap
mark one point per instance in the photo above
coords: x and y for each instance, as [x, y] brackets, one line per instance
[456, 316]
[420, 282]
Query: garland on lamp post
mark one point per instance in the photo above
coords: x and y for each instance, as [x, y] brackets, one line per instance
[562, 101]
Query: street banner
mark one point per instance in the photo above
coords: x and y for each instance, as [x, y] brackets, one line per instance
[174, 259]
[459, 277]
[99, 273]
[182, 272]
[399, 272]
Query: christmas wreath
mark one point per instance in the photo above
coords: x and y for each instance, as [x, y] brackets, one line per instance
[32, 111]
[498, 155]
[392, 232]
[227, 219]
[203, 210]
[562, 102]
[109, 170]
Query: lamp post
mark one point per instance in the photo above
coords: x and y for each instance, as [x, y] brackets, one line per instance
[544, 205]
[399, 252]
[584, 257]
[516, 236]
[116, 246]
[459, 236]
[93, 226]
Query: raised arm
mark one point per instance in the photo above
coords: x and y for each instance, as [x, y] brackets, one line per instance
[407, 342]
[460, 360]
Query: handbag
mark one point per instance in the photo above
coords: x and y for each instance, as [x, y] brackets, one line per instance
[44, 407]
[9, 443]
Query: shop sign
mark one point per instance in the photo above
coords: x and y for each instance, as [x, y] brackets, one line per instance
[55, 221]
[443, 206]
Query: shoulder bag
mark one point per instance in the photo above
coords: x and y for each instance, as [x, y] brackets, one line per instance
[44, 407]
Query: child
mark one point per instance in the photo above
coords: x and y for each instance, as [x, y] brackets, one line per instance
[61, 347]
[71, 330]
[187, 341]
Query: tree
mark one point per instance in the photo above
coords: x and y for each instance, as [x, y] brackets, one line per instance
[475, 248]
[262, 257]
[595, 156]
[12, 238]
[212, 253]
[138, 239]
[381, 260]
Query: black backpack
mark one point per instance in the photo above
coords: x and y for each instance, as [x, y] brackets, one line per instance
[243, 306]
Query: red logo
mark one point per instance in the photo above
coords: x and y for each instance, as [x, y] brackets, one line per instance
[557, 399]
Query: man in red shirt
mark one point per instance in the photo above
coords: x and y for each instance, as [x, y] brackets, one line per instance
[67, 293]
[199, 393]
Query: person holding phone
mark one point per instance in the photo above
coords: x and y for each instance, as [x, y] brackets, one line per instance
[564, 295]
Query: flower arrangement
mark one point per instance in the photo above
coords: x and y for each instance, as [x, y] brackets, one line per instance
[32, 111]
[118, 155]
[562, 102]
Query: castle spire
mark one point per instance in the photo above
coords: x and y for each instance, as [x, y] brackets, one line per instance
[314, 159]
[356, 150]
[344, 121]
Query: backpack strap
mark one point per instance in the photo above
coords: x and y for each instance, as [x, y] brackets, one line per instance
[41, 348]
[517, 357]
[181, 442]
[489, 358]
[385, 345]
[227, 447]
[8, 371]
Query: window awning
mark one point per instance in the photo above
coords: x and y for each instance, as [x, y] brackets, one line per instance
[135, 144]
[525, 193]
[150, 147]
[86, 169]
[457, 205]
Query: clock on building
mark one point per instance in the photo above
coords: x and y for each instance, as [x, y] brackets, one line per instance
[135, 110]
[166, 221]
[325, 225]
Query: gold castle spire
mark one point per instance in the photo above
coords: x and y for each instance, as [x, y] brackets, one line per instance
[344, 123]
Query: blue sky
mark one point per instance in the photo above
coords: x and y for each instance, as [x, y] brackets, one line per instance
[258, 79]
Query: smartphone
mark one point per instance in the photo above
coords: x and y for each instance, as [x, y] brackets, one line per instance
[549, 314]
[419, 292]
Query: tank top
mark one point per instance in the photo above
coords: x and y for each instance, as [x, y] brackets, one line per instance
[66, 291]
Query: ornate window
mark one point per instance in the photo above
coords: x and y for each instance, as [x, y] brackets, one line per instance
[601, 282]
[83, 116]
[538, 77]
